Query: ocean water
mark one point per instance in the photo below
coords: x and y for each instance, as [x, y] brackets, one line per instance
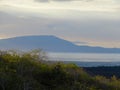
[87, 59]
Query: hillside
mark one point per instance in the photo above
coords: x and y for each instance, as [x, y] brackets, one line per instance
[51, 44]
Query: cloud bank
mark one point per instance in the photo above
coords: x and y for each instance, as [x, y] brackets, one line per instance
[62, 8]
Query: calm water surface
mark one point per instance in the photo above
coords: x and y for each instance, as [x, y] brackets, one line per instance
[87, 59]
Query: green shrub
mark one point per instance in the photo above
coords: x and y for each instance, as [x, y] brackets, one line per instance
[29, 71]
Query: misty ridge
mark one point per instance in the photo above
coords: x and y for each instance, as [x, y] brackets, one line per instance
[50, 43]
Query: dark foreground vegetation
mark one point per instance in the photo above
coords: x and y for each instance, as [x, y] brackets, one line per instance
[107, 71]
[29, 71]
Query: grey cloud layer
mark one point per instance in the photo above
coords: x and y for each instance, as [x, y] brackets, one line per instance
[62, 0]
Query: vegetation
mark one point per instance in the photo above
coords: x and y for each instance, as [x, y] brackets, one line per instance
[107, 71]
[30, 71]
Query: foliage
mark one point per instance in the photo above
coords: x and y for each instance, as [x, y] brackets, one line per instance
[107, 71]
[30, 71]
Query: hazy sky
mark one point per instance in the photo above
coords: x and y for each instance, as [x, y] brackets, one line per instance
[85, 22]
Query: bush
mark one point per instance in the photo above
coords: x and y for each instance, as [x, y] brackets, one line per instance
[30, 71]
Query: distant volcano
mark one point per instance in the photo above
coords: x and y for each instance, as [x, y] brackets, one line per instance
[50, 44]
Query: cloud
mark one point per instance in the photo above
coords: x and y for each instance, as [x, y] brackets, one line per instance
[72, 9]
[62, 0]
[80, 43]
[92, 21]
[41, 0]
[94, 31]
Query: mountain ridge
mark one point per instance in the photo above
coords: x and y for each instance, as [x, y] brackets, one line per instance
[50, 43]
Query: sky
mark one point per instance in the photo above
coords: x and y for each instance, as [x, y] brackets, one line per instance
[83, 22]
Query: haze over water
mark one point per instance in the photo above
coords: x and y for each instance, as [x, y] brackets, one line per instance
[87, 59]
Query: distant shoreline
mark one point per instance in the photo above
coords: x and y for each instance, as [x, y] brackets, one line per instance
[91, 64]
